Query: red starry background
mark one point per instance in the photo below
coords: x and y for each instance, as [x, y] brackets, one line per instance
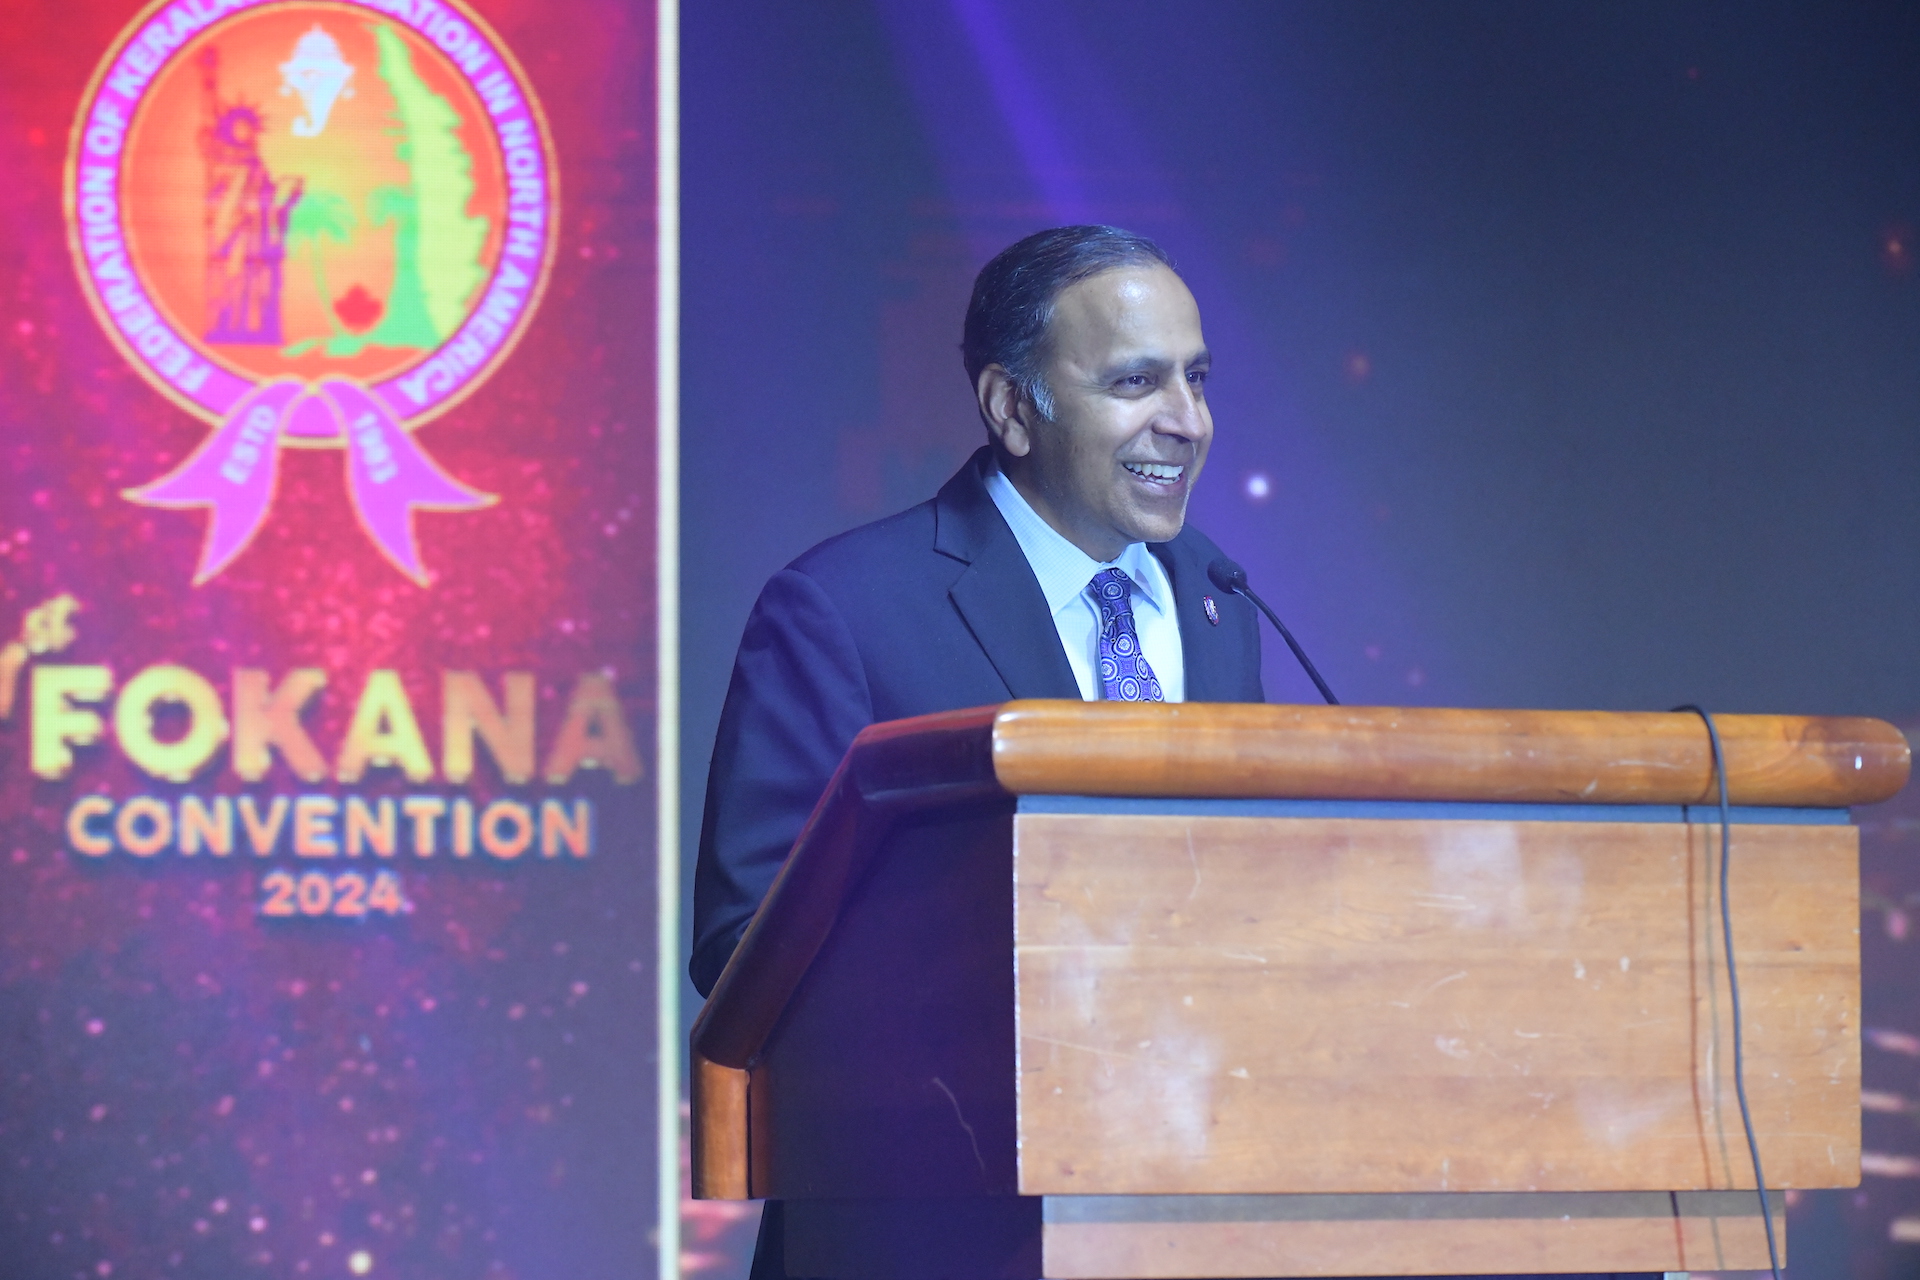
[187, 1089]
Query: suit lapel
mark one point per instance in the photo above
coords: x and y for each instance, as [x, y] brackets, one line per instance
[1201, 642]
[997, 595]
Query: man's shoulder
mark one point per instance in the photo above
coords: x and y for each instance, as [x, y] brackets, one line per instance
[930, 539]
[884, 547]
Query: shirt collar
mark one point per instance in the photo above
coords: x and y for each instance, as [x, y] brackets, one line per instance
[1063, 569]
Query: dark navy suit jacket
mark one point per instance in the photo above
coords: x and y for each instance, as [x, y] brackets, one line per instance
[933, 609]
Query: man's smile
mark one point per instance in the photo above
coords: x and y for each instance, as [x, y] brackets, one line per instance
[1157, 472]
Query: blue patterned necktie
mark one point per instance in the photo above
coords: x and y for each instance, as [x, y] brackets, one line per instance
[1124, 672]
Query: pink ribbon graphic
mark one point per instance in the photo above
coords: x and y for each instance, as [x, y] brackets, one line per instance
[236, 469]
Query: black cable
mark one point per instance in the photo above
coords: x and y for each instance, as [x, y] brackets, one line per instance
[1229, 576]
[1733, 980]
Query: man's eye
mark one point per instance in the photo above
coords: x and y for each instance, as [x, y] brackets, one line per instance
[1136, 380]
[1196, 376]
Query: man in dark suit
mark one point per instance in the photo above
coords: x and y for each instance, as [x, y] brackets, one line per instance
[1056, 564]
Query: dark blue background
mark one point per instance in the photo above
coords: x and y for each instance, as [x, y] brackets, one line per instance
[1580, 345]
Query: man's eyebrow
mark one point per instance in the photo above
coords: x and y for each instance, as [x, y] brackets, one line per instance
[1137, 364]
[1153, 364]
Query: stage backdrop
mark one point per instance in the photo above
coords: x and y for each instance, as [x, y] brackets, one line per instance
[328, 897]
[1566, 355]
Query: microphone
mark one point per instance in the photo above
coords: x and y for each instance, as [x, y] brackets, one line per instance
[1230, 577]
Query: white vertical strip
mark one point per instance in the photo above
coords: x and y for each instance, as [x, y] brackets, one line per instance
[667, 576]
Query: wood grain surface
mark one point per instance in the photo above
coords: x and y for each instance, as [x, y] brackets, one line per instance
[1257, 1005]
[718, 1096]
[1388, 1236]
[1430, 753]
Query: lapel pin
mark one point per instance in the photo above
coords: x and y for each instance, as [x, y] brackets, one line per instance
[1213, 610]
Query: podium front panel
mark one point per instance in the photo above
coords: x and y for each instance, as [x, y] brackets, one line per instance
[1257, 997]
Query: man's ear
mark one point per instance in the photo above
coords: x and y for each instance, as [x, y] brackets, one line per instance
[1007, 413]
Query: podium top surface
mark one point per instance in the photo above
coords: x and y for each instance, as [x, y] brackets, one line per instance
[1264, 751]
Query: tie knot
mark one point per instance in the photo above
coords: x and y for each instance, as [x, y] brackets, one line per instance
[1113, 590]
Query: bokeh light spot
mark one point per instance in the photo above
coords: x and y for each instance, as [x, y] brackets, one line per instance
[1258, 487]
[1896, 249]
[359, 1262]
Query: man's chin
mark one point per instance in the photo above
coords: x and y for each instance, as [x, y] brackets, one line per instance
[1152, 512]
[1157, 527]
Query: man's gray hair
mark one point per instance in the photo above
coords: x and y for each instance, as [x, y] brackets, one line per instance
[1014, 297]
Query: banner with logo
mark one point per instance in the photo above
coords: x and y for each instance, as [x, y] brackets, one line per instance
[329, 898]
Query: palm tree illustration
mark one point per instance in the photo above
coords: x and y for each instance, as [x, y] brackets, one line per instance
[322, 216]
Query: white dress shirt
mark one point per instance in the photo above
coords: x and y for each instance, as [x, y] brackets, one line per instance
[1065, 571]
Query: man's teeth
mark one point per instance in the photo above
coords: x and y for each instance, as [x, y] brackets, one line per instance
[1163, 472]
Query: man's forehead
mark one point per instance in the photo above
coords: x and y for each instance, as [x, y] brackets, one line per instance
[1135, 310]
[1129, 286]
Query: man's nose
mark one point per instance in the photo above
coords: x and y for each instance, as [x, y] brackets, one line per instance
[1181, 413]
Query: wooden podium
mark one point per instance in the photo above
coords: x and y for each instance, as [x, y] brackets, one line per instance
[1073, 989]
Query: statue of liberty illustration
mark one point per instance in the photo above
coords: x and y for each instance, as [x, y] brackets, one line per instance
[246, 219]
